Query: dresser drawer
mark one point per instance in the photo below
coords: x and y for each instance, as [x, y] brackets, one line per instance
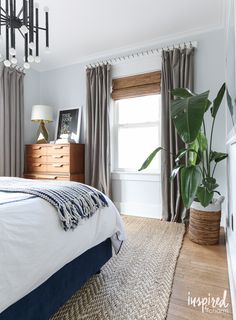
[47, 177]
[58, 167]
[37, 167]
[60, 150]
[32, 158]
[36, 150]
[58, 158]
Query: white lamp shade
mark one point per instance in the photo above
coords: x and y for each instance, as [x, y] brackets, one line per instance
[42, 113]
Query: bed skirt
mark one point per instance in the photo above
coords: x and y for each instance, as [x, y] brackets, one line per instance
[45, 300]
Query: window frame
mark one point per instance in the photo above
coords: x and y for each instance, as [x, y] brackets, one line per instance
[115, 130]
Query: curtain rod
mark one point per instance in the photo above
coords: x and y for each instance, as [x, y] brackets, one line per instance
[148, 52]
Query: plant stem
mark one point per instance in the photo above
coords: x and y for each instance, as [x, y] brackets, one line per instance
[212, 129]
[207, 154]
[213, 172]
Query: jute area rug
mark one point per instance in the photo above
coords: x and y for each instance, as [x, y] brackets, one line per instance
[135, 284]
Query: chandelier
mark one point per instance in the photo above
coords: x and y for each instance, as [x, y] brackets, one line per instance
[26, 21]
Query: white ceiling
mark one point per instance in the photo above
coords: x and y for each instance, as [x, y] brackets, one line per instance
[82, 28]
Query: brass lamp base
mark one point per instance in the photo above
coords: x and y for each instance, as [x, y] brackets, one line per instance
[42, 133]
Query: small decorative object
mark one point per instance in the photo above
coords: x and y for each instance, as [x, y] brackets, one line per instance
[26, 21]
[196, 162]
[42, 114]
[68, 126]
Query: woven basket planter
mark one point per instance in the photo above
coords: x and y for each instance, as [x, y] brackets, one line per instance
[204, 225]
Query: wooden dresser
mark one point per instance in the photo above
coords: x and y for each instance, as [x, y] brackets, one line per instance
[55, 161]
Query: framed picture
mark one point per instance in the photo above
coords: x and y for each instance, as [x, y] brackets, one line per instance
[68, 125]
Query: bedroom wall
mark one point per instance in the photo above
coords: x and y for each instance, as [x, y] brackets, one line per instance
[65, 87]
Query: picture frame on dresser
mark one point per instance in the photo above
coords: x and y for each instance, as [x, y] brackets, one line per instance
[68, 125]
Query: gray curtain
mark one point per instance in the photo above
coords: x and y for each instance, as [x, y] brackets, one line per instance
[177, 71]
[11, 122]
[97, 155]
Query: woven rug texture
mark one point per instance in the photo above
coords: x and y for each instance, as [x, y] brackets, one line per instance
[136, 283]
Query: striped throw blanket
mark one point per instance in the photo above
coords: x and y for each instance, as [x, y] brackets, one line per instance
[73, 201]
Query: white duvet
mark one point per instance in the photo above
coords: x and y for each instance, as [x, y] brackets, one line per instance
[33, 245]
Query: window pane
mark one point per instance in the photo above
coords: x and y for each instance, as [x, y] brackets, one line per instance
[135, 145]
[138, 110]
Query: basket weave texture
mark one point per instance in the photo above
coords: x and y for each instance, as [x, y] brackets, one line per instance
[204, 227]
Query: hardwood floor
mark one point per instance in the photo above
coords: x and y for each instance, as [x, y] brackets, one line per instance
[201, 270]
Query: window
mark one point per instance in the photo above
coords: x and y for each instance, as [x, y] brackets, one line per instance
[136, 132]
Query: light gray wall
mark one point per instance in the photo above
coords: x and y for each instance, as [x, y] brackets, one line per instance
[65, 87]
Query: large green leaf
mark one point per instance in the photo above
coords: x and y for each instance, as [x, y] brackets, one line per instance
[182, 93]
[210, 183]
[229, 103]
[217, 101]
[192, 158]
[190, 180]
[150, 158]
[217, 156]
[188, 115]
[202, 141]
[204, 196]
[182, 153]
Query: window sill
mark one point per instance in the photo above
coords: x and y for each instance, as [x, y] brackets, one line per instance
[136, 176]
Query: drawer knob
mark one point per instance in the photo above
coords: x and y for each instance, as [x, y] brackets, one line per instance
[37, 164]
[37, 148]
[57, 157]
[36, 157]
[59, 147]
[57, 165]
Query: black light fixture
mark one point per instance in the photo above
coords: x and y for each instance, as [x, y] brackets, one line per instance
[26, 21]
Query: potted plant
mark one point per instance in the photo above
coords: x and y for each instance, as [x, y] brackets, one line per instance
[196, 163]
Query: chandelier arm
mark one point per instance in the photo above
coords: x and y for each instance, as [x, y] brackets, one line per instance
[21, 33]
[26, 47]
[36, 32]
[20, 12]
[47, 29]
[44, 29]
[31, 21]
[3, 10]
[7, 34]
[12, 30]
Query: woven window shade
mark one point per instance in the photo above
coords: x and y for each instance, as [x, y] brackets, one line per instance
[136, 86]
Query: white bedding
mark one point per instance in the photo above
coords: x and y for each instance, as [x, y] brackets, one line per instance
[33, 245]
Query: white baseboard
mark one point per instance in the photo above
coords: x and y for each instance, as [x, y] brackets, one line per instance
[139, 209]
[232, 281]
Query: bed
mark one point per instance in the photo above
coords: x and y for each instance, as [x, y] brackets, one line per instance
[41, 265]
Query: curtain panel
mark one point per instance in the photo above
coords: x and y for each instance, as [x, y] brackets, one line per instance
[11, 122]
[97, 151]
[177, 72]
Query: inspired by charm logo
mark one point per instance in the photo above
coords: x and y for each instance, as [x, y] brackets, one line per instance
[209, 304]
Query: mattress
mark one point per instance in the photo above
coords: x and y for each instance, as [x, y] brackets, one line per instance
[33, 245]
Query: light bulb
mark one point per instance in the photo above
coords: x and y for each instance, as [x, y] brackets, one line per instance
[30, 58]
[46, 9]
[47, 50]
[36, 5]
[7, 63]
[14, 60]
[12, 51]
[37, 59]
[23, 29]
[31, 45]
[26, 65]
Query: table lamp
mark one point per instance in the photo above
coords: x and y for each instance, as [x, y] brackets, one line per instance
[42, 114]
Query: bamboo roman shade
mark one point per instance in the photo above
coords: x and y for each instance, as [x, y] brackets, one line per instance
[136, 86]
